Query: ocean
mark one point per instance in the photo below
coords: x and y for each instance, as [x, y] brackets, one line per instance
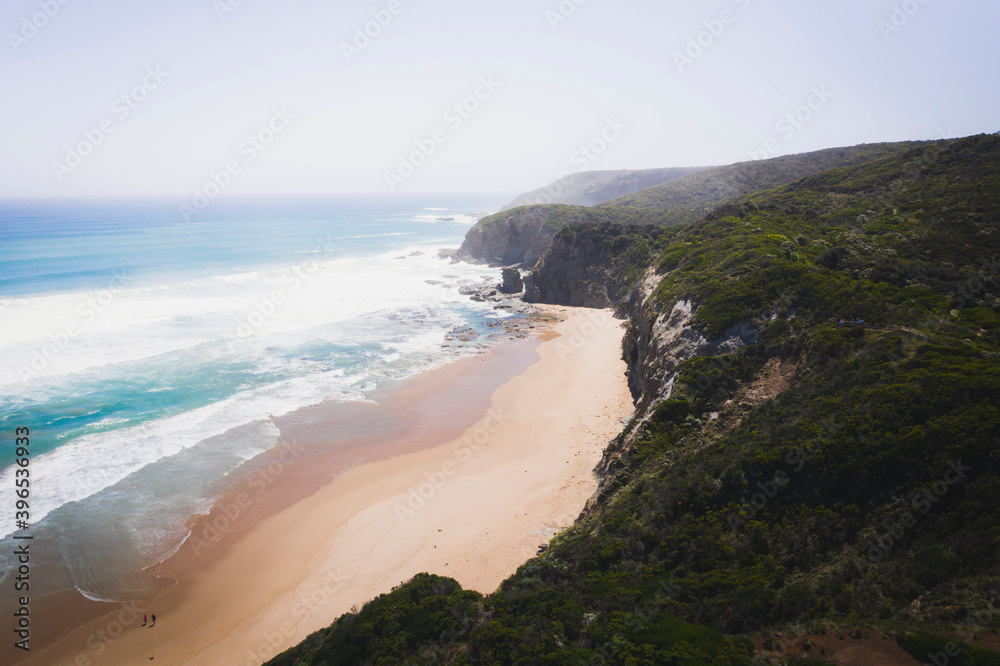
[149, 355]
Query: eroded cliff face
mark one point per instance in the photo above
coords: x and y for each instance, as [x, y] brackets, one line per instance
[661, 337]
[584, 268]
[593, 265]
[596, 266]
[519, 238]
[572, 273]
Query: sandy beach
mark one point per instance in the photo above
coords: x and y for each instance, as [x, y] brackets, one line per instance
[470, 497]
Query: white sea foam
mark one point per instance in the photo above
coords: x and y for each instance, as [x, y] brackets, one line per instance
[384, 300]
[98, 461]
[46, 337]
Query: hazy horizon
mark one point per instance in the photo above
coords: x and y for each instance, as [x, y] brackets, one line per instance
[245, 97]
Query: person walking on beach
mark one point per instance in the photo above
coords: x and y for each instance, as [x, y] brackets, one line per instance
[154, 622]
[144, 620]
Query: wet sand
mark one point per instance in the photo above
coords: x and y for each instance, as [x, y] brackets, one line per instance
[464, 471]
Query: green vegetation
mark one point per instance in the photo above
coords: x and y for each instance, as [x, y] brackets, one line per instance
[522, 235]
[689, 198]
[828, 475]
[612, 255]
[912, 233]
[410, 625]
[925, 647]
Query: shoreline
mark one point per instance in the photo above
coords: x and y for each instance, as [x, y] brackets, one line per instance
[493, 458]
[304, 462]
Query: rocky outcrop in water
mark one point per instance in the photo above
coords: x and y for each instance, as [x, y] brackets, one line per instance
[512, 282]
[489, 291]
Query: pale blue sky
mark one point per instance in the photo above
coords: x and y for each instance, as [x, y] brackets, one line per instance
[558, 84]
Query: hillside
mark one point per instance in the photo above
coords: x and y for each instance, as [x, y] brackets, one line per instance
[791, 478]
[589, 188]
[521, 235]
[691, 197]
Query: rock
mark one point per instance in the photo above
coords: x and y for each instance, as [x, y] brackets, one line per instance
[449, 254]
[489, 291]
[582, 269]
[514, 237]
[461, 334]
[532, 294]
[515, 306]
[512, 283]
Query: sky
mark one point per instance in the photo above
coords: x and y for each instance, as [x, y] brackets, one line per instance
[204, 97]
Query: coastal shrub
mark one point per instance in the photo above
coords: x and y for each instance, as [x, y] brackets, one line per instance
[870, 481]
[929, 648]
[425, 617]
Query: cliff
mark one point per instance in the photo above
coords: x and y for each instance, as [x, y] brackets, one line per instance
[784, 476]
[520, 236]
[594, 265]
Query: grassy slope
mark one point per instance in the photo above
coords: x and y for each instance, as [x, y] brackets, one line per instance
[689, 198]
[865, 492]
[682, 200]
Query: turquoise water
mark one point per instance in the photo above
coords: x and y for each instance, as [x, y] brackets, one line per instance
[148, 355]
